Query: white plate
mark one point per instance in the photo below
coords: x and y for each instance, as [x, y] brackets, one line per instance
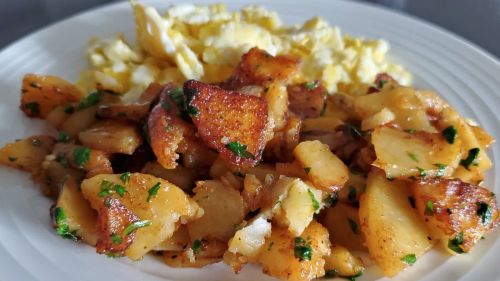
[29, 248]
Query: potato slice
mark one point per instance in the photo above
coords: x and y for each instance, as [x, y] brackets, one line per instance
[26, 154]
[79, 121]
[223, 211]
[164, 207]
[342, 263]
[325, 170]
[458, 213]
[342, 222]
[42, 93]
[180, 176]
[80, 217]
[232, 123]
[111, 136]
[93, 161]
[322, 124]
[288, 257]
[249, 240]
[402, 155]
[390, 225]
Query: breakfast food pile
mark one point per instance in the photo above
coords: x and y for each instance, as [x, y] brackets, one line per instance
[231, 137]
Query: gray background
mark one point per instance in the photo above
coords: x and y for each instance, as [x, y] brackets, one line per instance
[476, 20]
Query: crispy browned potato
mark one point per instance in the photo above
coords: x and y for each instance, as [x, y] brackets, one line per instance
[111, 136]
[93, 161]
[307, 99]
[459, 213]
[257, 67]
[42, 93]
[26, 154]
[232, 123]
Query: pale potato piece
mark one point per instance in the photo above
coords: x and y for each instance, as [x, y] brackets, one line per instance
[166, 210]
[277, 105]
[79, 121]
[26, 154]
[80, 216]
[323, 124]
[57, 116]
[402, 155]
[278, 258]
[390, 225]
[223, 209]
[180, 175]
[342, 222]
[186, 259]
[353, 188]
[380, 118]
[177, 242]
[111, 136]
[249, 240]
[324, 169]
[343, 263]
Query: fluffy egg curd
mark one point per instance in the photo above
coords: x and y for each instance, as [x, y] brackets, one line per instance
[206, 43]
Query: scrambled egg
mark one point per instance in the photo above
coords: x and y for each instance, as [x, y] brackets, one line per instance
[206, 43]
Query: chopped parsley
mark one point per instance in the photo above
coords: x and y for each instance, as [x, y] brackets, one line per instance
[314, 201]
[240, 149]
[153, 191]
[12, 159]
[117, 239]
[311, 85]
[441, 169]
[381, 83]
[332, 200]
[302, 249]
[33, 107]
[429, 208]
[307, 170]
[409, 259]
[353, 225]
[62, 227]
[178, 96]
[135, 225]
[471, 158]
[192, 111]
[454, 244]
[81, 156]
[331, 273]
[63, 137]
[485, 212]
[421, 172]
[107, 188]
[196, 246]
[90, 100]
[125, 177]
[413, 156]
[450, 134]
[351, 195]
[69, 109]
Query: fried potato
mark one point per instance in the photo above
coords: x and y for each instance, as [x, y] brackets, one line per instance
[57, 116]
[325, 170]
[178, 242]
[79, 121]
[186, 259]
[292, 258]
[401, 154]
[93, 161]
[281, 146]
[342, 222]
[53, 175]
[249, 240]
[111, 136]
[322, 124]
[390, 225]
[80, 217]
[42, 93]
[158, 204]
[277, 103]
[223, 209]
[26, 154]
[307, 99]
[232, 123]
[180, 176]
[453, 208]
[343, 263]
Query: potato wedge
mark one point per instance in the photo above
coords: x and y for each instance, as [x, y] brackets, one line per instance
[342, 263]
[164, 207]
[343, 224]
[402, 155]
[277, 104]
[325, 170]
[249, 240]
[112, 137]
[390, 225]
[223, 211]
[26, 154]
[458, 213]
[232, 123]
[93, 161]
[79, 121]
[180, 176]
[307, 99]
[288, 257]
[42, 93]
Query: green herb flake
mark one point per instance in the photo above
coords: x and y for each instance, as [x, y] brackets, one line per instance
[153, 191]
[471, 158]
[421, 172]
[331, 273]
[90, 100]
[240, 149]
[381, 83]
[135, 225]
[117, 239]
[409, 259]
[441, 169]
[120, 189]
[311, 85]
[63, 137]
[192, 111]
[178, 96]
[69, 109]
[450, 134]
[302, 249]
[107, 202]
[81, 155]
[485, 213]
[33, 107]
[353, 225]
[12, 159]
[413, 156]
[125, 177]
[107, 188]
[429, 208]
[352, 194]
[62, 227]
[454, 244]
[196, 246]
[307, 170]
[332, 200]
[314, 201]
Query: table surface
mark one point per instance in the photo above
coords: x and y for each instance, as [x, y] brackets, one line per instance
[476, 20]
